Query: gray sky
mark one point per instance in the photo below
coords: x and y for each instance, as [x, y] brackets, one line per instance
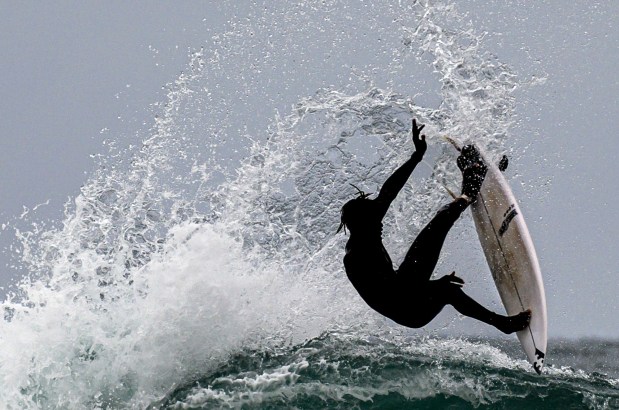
[71, 69]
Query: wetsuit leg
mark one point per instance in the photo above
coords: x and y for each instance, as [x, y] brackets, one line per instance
[422, 257]
[467, 306]
[464, 304]
[429, 300]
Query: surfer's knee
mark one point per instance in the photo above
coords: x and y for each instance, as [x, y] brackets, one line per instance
[441, 293]
[451, 293]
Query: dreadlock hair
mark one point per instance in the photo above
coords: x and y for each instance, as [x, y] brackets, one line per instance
[351, 209]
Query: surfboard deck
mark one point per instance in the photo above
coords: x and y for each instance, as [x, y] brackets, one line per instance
[512, 259]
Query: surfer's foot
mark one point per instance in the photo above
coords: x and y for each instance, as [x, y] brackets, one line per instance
[469, 155]
[511, 324]
[473, 171]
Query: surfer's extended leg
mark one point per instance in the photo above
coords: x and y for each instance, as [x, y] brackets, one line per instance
[453, 295]
[428, 300]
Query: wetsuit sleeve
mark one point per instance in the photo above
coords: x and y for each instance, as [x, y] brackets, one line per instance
[395, 182]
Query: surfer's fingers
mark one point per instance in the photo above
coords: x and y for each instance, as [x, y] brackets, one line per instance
[417, 130]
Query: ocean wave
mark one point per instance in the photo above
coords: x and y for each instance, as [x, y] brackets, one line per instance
[346, 371]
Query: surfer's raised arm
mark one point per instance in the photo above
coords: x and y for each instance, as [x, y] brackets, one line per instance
[396, 181]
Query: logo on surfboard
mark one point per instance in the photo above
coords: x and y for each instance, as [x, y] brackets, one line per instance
[508, 216]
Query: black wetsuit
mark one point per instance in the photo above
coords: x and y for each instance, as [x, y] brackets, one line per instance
[406, 295]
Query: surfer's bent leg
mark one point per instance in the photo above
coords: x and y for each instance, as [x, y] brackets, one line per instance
[422, 257]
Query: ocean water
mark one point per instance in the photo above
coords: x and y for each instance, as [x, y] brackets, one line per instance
[343, 371]
[199, 268]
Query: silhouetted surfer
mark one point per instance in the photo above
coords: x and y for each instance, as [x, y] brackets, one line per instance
[407, 295]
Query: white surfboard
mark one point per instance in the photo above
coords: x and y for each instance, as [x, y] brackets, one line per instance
[512, 259]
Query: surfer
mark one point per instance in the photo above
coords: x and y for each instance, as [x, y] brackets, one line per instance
[407, 295]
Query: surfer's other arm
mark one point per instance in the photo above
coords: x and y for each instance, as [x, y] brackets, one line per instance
[396, 181]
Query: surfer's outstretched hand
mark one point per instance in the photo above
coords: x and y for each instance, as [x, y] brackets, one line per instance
[418, 139]
[452, 279]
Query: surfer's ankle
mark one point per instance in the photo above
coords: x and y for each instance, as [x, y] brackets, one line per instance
[465, 199]
[469, 156]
